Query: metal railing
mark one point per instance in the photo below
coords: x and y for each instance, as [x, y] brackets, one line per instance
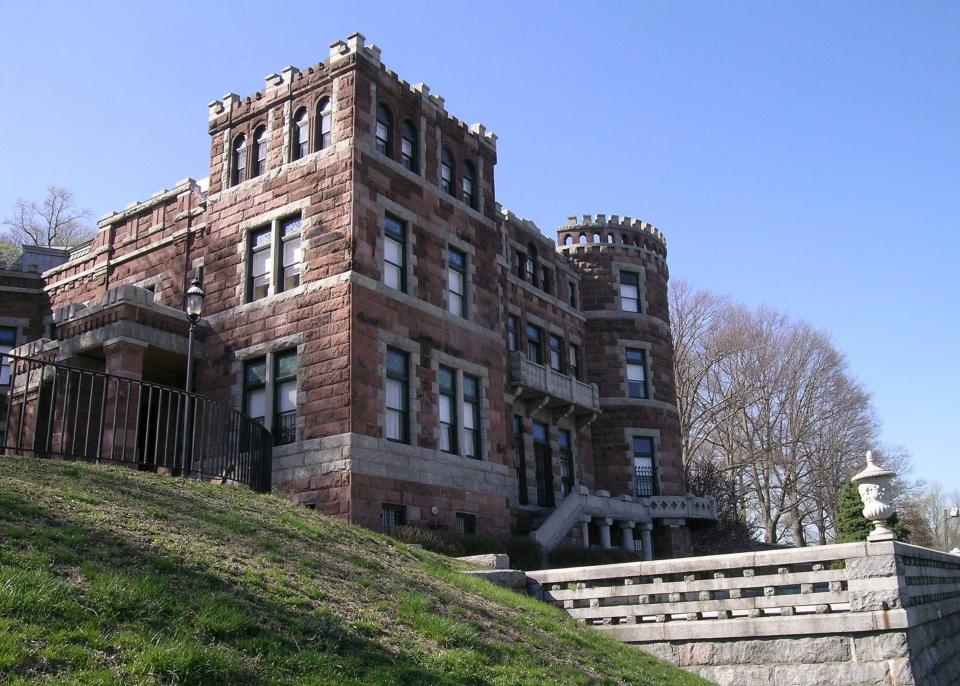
[51, 409]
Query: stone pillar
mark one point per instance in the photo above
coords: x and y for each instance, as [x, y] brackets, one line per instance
[585, 530]
[124, 358]
[626, 533]
[604, 525]
[672, 538]
[646, 540]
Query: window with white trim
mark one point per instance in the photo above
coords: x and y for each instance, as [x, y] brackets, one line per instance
[301, 134]
[384, 131]
[471, 417]
[395, 253]
[644, 467]
[456, 282]
[397, 405]
[636, 360]
[324, 124]
[270, 393]
[265, 275]
[447, 381]
[239, 171]
[446, 171]
[259, 151]
[629, 291]
[556, 353]
[408, 146]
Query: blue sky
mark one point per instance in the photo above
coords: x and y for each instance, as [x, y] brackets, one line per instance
[802, 155]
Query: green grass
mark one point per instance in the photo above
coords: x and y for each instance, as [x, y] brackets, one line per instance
[108, 575]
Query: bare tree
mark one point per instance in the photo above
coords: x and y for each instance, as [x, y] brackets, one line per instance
[55, 221]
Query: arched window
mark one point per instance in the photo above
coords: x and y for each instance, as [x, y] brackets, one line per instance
[384, 130]
[239, 171]
[324, 120]
[596, 238]
[609, 238]
[469, 178]
[446, 171]
[583, 238]
[533, 265]
[259, 151]
[408, 146]
[301, 134]
[568, 240]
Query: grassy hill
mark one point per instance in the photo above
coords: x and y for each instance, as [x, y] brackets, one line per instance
[112, 576]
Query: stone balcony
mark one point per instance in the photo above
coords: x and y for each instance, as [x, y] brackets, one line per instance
[545, 389]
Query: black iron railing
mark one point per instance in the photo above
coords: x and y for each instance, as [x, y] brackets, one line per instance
[51, 409]
[645, 483]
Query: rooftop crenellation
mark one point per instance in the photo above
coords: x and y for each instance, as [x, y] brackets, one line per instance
[590, 221]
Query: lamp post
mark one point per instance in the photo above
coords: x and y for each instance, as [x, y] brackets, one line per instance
[193, 306]
[948, 514]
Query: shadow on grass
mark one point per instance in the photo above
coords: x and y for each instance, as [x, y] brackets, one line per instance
[147, 618]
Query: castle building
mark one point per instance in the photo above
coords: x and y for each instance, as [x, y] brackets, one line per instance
[420, 354]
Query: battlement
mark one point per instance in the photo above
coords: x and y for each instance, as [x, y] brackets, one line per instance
[164, 194]
[602, 229]
[291, 78]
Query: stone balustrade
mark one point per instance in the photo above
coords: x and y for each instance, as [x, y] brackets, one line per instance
[858, 613]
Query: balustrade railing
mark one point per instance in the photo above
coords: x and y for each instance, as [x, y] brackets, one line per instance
[52, 409]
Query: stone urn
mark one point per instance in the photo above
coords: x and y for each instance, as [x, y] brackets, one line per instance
[873, 483]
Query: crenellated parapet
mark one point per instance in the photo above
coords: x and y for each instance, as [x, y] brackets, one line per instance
[292, 81]
[589, 231]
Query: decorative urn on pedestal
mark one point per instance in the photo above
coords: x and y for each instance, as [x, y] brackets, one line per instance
[873, 483]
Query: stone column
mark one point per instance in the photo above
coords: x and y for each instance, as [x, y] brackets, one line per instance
[604, 525]
[124, 357]
[626, 533]
[646, 540]
[585, 530]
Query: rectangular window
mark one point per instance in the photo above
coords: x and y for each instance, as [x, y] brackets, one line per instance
[556, 353]
[255, 389]
[534, 344]
[574, 352]
[545, 280]
[397, 406]
[566, 462]
[513, 323]
[466, 524]
[456, 282]
[573, 294]
[383, 138]
[530, 272]
[395, 253]
[629, 292]
[392, 516]
[285, 397]
[636, 373]
[471, 417]
[521, 264]
[8, 341]
[543, 459]
[292, 255]
[645, 483]
[520, 459]
[447, 380]
[260, 264]
[406, 153]
[446, 178]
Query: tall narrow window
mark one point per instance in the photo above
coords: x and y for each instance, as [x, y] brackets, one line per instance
[644, 474]
[8, 341]
[520, 459]
[629, 292]
[471, 416]
[260, 261]
[534, 344]
[636, 373]
[556, 353]
[566, 462]
[255, 389]
[239, 160]
[574, 351]
[543, 458]
[259, 151]
[324, 124]
[395, 253]
[392, 516]
[456, 282]
[532, 264]
[469, 184]
[397, 406]
[521, 264]
[446, 171]
[447, 380]
[513, 324]
[408, 146]
[291, 252]
[545, 279]
[285, 397]
[573, 294]
[384, 131]
[301, 134]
